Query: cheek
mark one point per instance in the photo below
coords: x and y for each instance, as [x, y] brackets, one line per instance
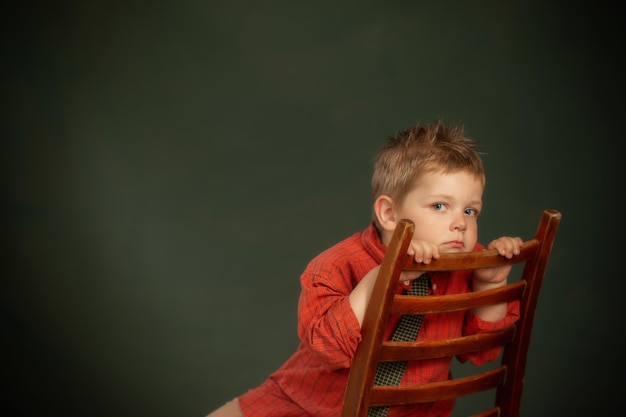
[425, 229]
[471, 235]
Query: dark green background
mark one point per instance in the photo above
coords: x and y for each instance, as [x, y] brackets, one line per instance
[169, 168]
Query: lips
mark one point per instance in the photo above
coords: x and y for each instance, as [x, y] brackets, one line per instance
[456, 244]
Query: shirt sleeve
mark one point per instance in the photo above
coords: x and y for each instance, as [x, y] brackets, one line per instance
[474, 324]
[327, 325]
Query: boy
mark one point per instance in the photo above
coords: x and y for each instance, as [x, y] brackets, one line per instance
[432, 175]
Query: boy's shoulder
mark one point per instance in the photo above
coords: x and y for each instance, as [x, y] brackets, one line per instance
[358, 247]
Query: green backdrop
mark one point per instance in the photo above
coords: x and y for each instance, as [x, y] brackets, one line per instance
[169, 168]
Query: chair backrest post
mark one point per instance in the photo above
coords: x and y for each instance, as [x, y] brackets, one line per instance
[361, 377]
[514, 355]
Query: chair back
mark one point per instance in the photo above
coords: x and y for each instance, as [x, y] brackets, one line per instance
[506, 377]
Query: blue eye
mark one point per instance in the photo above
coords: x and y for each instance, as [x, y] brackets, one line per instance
[471, 212]
[439, 206]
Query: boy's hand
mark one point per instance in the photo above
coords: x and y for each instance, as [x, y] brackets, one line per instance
[506, 246]
[423, 252]
[494, 277]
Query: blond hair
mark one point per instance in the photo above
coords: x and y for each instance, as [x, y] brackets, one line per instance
[436, 147]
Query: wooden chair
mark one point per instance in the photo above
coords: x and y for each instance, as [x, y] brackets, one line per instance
[507, 376]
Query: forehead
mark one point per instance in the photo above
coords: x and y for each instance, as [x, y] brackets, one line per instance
[458, 183]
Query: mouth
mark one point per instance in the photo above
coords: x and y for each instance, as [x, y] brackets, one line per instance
[454, 244]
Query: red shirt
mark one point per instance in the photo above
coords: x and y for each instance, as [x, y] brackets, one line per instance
[313, 380]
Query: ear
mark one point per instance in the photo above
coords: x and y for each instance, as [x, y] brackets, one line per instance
[385, 211]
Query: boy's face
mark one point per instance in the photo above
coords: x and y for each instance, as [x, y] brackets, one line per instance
[445, 208]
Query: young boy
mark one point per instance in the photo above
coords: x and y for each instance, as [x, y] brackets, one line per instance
[432, 175]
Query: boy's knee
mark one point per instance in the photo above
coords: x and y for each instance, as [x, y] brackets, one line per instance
[230, 409]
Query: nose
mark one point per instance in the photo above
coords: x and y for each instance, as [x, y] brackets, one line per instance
[459, 223]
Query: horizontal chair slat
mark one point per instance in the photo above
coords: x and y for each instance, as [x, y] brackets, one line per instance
[412, 394]
[407, 351]
[407, 304]
[486, 258]
[492, 412]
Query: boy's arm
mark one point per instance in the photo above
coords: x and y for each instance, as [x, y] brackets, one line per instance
[360, 295]
[488, 278]
[327, 324]
[474, 324]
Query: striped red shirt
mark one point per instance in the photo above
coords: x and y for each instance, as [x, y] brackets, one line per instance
[313, 380]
